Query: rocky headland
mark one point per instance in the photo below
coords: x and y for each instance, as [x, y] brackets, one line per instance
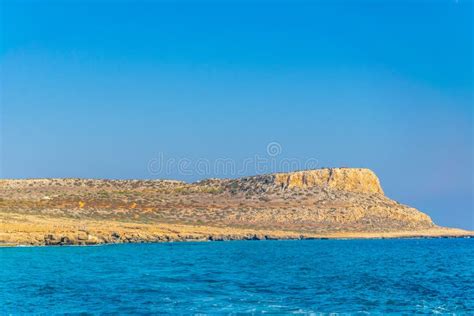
[322, 203]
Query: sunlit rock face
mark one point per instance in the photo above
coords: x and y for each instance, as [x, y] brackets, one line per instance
[346, 179]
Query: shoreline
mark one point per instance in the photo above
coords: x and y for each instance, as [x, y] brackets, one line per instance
[234, 240]
[33, 230]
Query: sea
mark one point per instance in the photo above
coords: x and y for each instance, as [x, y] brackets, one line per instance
[308, 277]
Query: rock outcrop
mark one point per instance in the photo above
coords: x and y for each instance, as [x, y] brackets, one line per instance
[344, 179]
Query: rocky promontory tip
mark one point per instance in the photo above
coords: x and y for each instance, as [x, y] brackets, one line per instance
[321, 203]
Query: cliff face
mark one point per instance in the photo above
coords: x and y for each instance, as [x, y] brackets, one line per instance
[321, 202]
[345, 179]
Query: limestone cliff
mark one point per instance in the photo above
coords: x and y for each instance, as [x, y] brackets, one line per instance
[357, 180]
[345, 179]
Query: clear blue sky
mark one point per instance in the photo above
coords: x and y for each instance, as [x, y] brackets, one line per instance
[98, 88]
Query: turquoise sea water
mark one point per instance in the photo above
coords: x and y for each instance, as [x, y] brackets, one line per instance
[339, 276]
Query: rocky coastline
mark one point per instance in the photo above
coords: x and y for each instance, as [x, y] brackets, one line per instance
[313, 204]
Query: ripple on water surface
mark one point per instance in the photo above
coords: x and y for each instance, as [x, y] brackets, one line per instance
[412, 275]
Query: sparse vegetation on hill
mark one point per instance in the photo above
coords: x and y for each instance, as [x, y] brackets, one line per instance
[307, 203]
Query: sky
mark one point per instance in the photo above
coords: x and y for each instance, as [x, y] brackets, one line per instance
[166, 89]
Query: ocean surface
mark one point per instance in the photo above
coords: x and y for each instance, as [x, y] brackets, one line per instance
[312, 276]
